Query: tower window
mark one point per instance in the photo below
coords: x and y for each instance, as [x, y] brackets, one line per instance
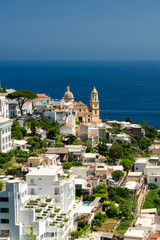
[96, 112]
[95, 105]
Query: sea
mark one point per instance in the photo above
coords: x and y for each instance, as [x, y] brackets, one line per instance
[126, 88]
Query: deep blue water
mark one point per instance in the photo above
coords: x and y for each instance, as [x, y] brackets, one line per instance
[126, 88]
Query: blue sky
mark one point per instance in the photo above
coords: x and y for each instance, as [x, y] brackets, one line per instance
[80, 30]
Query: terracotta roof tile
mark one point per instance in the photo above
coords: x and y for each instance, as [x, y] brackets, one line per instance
[41, 95]
[83, 124]
[154, 235]
[66, 124]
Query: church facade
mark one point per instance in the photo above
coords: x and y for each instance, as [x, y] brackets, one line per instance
[84, 114]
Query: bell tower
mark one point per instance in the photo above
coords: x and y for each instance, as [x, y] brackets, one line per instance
[94, 105]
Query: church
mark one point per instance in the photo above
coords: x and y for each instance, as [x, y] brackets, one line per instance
[84, 114]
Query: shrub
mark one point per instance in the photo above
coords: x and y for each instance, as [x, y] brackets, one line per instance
[52, 215]
[152, 186]
[48, 199]
[13, 172]
[66, 220]
[117, 175]
[82, 224]
[38, 210]
[43, 204]
[56, 210]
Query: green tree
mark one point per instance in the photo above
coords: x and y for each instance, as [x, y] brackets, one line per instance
[3, 90]
[13, 172]
[71, 138]
[22, 96]
[152, 186]
[17, 131]
[117, 175]
[112, 211]
[67, 165]
[126, 163]
[71, 158]
[102, 148]
[34, 124]
[116, 151]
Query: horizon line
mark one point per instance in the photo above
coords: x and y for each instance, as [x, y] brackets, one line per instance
[83, 60]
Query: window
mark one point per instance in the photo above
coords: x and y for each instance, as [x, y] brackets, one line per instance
[80, 110]
[3, 199]
[95, 105]
[155, 179]
[40, 188]
[136, 168]
[40, 178]
[4, 220]
[4, 233]
[32, 191]
[95, 111]
[32, 181]
[4, 210]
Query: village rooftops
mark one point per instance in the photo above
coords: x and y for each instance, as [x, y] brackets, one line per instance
[67, 125]
[81, 168]
[154, 236]
[141, 160]
[60, 150]
[41, 95]
[20, 142]
[135, 233]
[91, 155]
[154, 146]
[44, 171]
[154, 157]
[131, 185]
[149, 211]
[145, 220]
[134, 174]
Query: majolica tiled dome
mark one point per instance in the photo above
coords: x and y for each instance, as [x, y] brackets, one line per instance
[68, 96]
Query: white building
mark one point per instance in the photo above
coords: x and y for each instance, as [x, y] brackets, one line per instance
[140, 164]
[136, 234]
[125, 138]
[4, 107]
[5, 134]
[51, 213]
[153, 174]
[60, 186]
[21, 145]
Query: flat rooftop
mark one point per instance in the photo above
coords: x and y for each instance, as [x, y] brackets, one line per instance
[135, 233]
[131, 185]
[81, 168]
[60, 150]
[149, 210]
[141, 160]
[90, 155]
[44, 171]
[134, 174]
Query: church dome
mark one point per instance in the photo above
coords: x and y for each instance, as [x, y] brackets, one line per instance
[68, 96]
